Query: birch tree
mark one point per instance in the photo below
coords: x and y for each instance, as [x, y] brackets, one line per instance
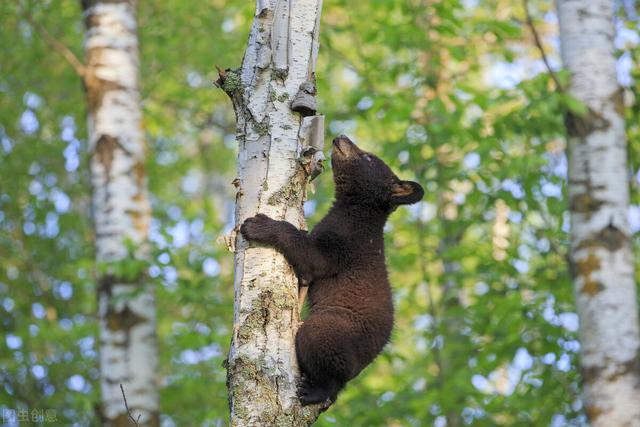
[126, 309]
[601, 254]
[279, 137]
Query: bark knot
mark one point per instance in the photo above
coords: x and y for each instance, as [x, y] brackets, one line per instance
[584, 203]
[593, 412]
[105, 147]
[581, 126]
[95, 87]
[584, 268]
[610, 370]
[610, 238]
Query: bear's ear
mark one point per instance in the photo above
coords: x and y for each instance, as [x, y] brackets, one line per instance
[406, 193]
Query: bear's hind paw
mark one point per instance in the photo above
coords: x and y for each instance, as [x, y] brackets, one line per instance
[310, 393]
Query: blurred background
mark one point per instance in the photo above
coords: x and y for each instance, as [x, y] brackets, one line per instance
[452, 93]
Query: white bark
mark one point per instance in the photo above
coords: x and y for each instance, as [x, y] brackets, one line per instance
[126, 306]
[262, 366]
[602, 260]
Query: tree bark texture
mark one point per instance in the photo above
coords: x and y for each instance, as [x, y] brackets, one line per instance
[126, 306]
[601, 256]
[274, 142]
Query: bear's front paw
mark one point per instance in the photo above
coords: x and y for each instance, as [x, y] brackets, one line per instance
[259, 228]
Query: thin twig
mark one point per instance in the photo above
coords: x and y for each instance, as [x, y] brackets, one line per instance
[538, 42]
[126, 405]
[431, 307]
[430, 297]
[54, 44]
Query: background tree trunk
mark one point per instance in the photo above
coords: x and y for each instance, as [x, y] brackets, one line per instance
[602, 260]
[126, 307]
[280, 58]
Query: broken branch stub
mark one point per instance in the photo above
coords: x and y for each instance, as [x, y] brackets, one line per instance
[305, 100]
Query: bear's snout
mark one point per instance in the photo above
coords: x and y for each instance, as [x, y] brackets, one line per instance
[344, 148]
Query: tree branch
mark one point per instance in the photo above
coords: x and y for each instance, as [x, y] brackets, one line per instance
[538, 43]
[126, 405]
[53, 43]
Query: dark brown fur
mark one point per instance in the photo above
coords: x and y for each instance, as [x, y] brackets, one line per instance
[350, 305]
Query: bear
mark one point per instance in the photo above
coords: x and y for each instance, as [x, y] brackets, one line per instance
[342, 260]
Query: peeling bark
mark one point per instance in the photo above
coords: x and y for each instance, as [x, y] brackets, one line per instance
[126, 306]
[601, 254]
[273, 169]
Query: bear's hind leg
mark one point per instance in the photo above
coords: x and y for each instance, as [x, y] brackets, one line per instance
[325, 356]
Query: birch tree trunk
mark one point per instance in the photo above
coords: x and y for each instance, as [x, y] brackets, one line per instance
[602, 259]
[126, 306]
[277, 76]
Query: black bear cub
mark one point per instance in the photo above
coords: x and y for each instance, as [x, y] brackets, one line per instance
[342, 259]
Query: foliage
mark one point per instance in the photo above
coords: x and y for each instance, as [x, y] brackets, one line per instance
[451, 93]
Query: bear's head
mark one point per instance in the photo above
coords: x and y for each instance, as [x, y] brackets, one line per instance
[363, 179]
